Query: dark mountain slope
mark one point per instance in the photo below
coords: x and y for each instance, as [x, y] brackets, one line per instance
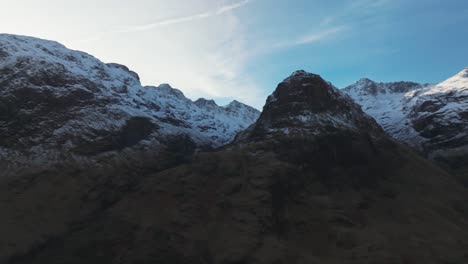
[327, 186]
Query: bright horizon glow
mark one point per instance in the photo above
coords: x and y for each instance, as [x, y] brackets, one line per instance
[240, 49]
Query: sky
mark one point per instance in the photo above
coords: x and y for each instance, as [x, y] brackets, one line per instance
[241, 49]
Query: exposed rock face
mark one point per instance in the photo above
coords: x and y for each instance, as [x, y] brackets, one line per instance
[322, 192]
[430, 118]
[55, 102]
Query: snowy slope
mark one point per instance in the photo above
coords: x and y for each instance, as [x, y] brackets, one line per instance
[389, 104]
[55, 99]
[440, 114]
[431, 118]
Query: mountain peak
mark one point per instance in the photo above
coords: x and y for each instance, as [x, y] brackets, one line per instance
[165, 86]
[202, 102]
[169, 90]
[306, 104]
[365, 80]
[235, 104]
[300, 74]
[464, 73]
[124, 68]
[308, 90]
[458, 82]
[365, 86]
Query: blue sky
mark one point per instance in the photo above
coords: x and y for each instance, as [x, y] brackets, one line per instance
[419, 40]
[241, 49]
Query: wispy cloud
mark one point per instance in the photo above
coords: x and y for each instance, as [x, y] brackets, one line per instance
[166, 22]
[311, 38]
[212, 66]
[177, 20]
[229, 7]
[370, 3]
[335, 24]
[319, 36]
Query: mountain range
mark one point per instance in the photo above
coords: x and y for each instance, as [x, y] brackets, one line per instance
[97, 168]
[58, 104]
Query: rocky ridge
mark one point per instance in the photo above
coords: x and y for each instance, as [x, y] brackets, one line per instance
[57, 103]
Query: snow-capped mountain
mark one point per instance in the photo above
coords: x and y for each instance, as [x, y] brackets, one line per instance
[388, 104]
[55, 100]
[431, 118]
[440, 115]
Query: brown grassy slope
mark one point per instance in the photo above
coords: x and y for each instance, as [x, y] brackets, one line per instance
[273, 202]
[43, 204]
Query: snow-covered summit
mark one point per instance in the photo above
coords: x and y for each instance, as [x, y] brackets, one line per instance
[236, 104]
[457, 84]
[204, 103]
[369, 87]
[169, 91]
[463, 73]
[28, 56]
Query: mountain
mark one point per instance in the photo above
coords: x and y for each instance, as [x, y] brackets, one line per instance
[440, 115]
[314, 180]
[58, 104]
[430, 118]
[388, 104]
[305, 104]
